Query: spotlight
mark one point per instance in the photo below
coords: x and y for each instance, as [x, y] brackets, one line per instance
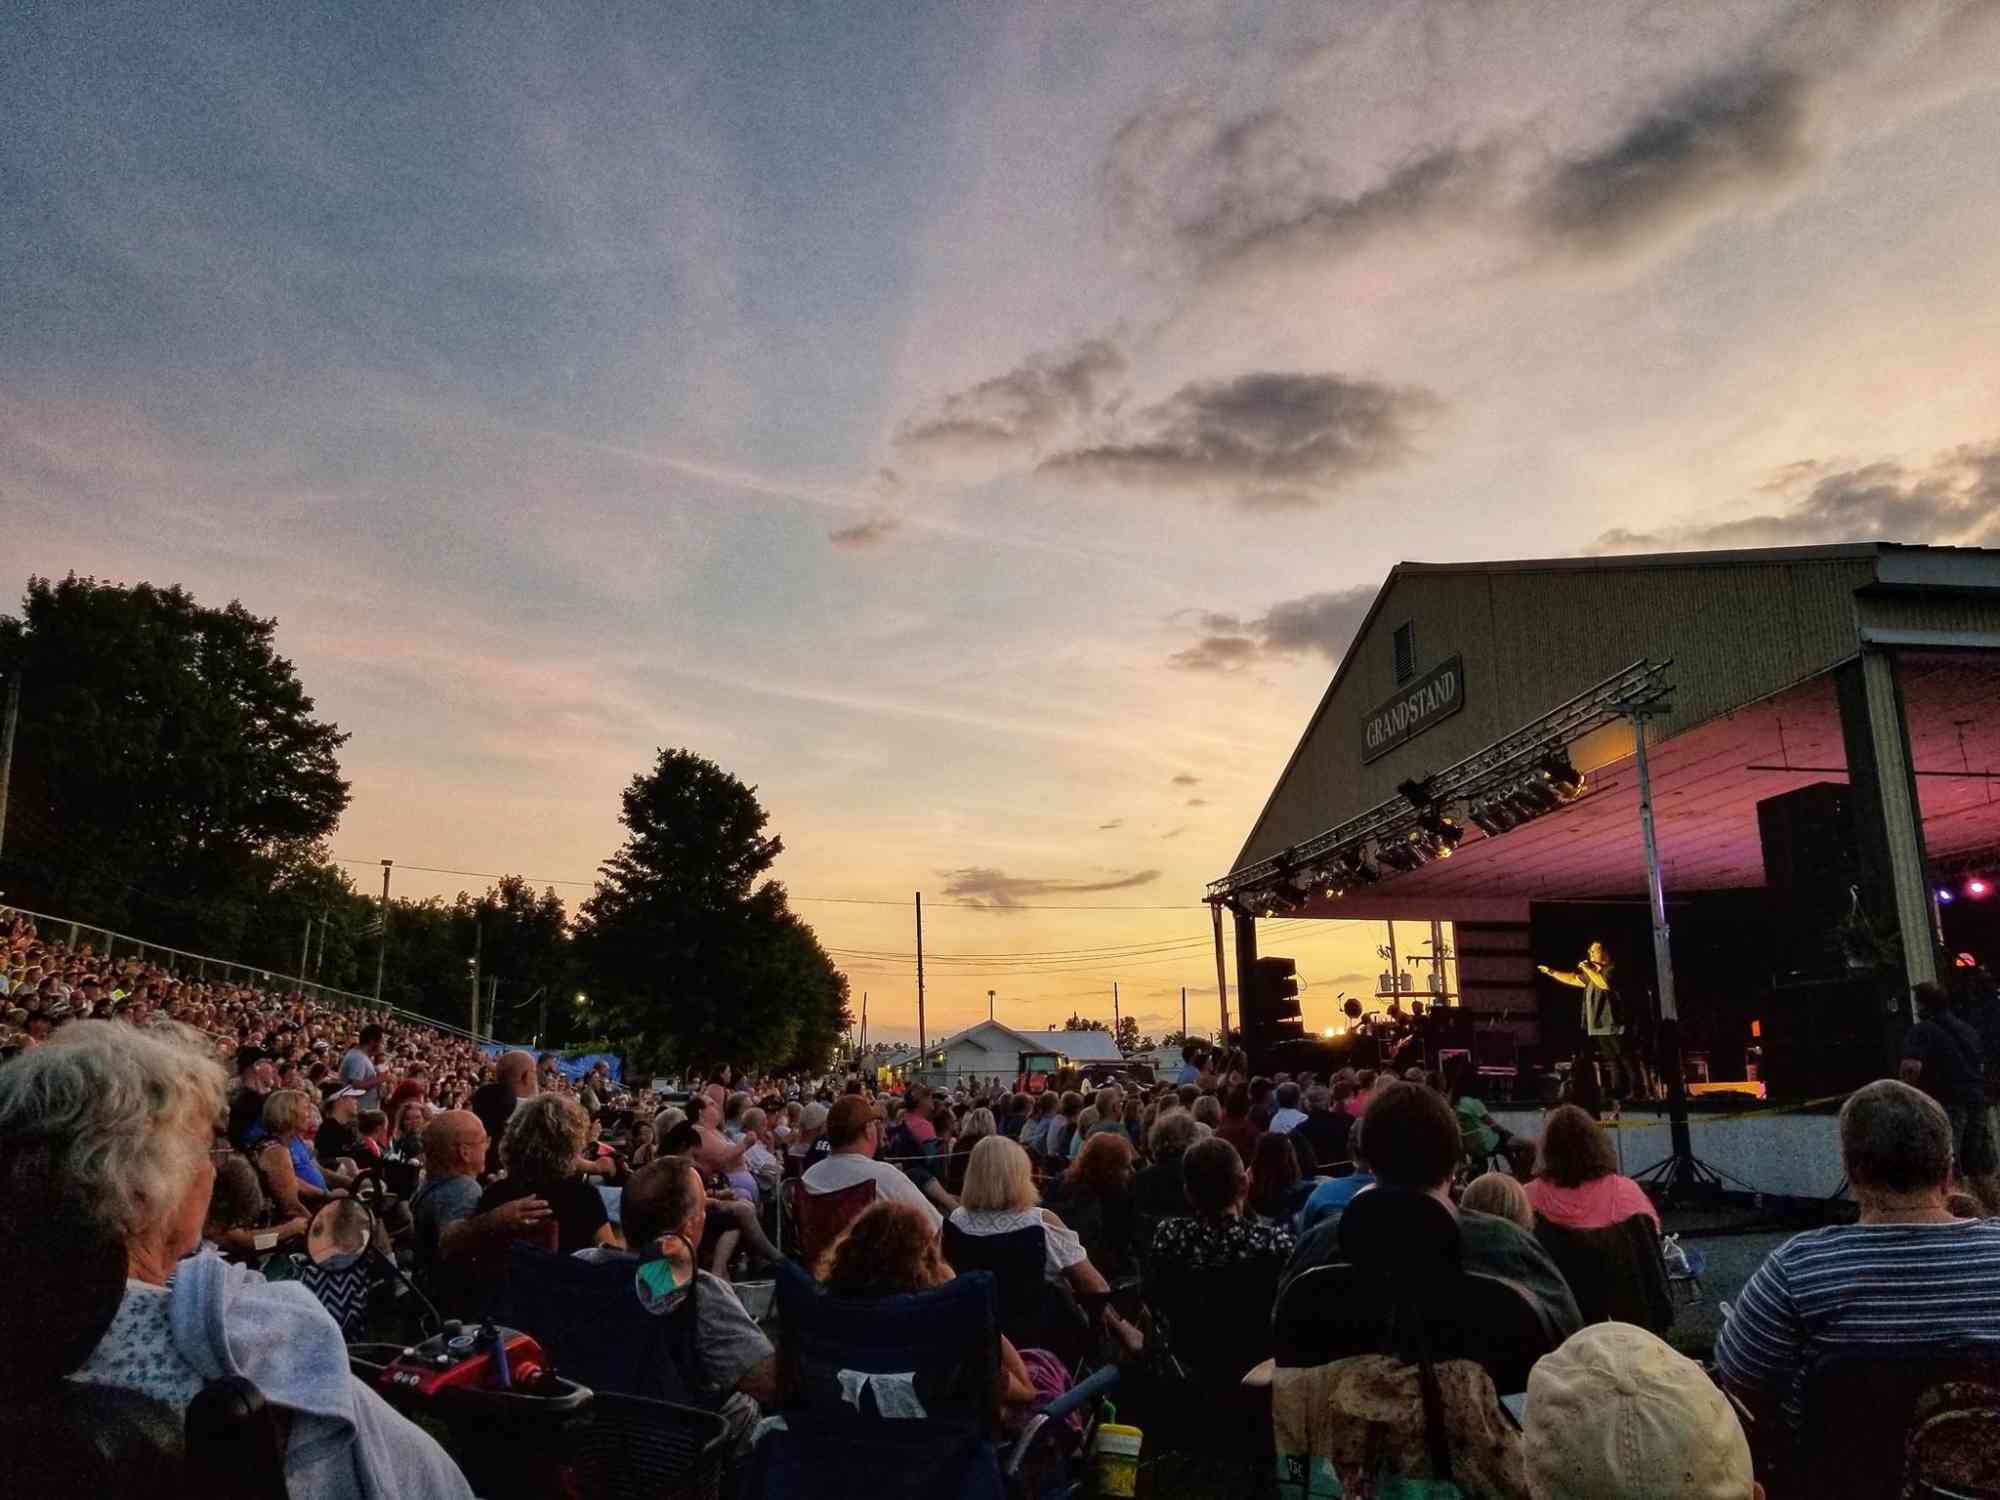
[1562, 778]
[1977, 888]
[1417, 791]
[1945, 897]
[1494, 818]
[1355, 866]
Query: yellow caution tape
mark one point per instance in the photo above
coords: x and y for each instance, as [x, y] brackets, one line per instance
[1705, 1118]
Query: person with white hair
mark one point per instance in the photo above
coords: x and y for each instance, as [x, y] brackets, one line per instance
[1909, 1273]
[116, 1124]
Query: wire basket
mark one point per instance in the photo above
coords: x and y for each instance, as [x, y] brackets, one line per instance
[630, 1448]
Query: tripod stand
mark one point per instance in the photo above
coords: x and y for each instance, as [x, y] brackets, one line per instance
[1680, 1174]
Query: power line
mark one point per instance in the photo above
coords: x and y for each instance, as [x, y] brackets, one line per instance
[340, 859]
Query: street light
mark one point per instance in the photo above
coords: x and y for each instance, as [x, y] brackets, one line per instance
[989, 1005]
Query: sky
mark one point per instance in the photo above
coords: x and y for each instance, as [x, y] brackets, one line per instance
[980, 428]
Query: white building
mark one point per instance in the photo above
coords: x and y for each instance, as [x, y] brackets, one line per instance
[991, 1050]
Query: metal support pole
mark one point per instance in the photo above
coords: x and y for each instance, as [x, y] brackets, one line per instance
[922, 1043]
[1221, 974]
[306, 948]
[1679, 1170]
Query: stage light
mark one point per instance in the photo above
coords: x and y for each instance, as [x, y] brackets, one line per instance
[1945, 897]
[1562, 778]
[1327, 1032]
[1495, 818]
[1355, 865]
[1978, 889]
[1417, 791]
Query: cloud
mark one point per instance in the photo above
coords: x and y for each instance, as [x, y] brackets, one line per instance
[1174, 833]
[1228, 193]
[981, 885]
[1322, 623]
[1268, 440]
[1954, 500]
[1007, 420]
[1184, 779]
[868, 533]
[1196, 802]
[1114, 823]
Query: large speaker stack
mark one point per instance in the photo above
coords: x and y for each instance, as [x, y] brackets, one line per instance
[1821, 1023]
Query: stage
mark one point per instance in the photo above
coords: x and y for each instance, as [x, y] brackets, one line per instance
[1824, 763]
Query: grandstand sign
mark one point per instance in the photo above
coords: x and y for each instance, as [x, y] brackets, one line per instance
[1428, 701]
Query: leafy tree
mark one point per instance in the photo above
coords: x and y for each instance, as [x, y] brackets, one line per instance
[165, 749]
[1078, 1023]
[682, 951]
[1128, 1035]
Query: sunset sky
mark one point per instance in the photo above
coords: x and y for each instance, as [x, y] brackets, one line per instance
[978, 426]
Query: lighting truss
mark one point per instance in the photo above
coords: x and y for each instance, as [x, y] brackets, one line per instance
[1525, 768]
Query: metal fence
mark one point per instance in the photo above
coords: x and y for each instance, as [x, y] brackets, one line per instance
[202, 966]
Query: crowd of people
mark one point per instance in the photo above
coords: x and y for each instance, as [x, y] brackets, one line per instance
[196, 1128]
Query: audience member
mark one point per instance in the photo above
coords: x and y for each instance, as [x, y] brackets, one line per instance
[1288, 1116]
[1237, 1128]
[119, 1122]
[1908, 1274]
[665, 1209]
[1095, 1197]
[854, 1134]
[1501, 1195]
[542, 1152]
[451, 1232]
[1328, 1198]
[1943, 1057]
[1411, 1136]
[1577, 1184]
[495, 1101]
[1278, 1190]
[1325, 1126]
[891, 1250]
[1216, 1234]
[1615, 1412]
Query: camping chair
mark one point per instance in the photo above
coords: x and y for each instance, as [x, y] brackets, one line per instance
[588, 1321]
[896, 1396]
[1034, 1312]
[1213, 1327]
[1861, 1407]
[1401, 1291]
[1617, 1273]
[822, 1217]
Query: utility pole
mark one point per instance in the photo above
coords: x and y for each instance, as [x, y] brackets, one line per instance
[478, 942]
[7, 749]
[922, 1044]
[382, 948]
[306, 948]
[1115, 1022]
[319, 958]
[989, 1005]
[542, 1017]
[1183, 1015]
[864, 1022]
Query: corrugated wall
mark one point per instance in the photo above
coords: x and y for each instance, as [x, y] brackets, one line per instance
[1737, 632]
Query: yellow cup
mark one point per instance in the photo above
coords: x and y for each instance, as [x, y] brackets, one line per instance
[1117, 1459]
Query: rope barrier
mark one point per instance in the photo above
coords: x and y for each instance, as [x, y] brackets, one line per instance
[1662, 1121]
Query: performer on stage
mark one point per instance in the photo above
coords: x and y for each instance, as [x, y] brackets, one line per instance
[1603, 1028]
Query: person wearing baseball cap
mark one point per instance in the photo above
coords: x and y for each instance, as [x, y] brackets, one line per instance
[809, 1145]
[854, 1134]
[1616, 1413]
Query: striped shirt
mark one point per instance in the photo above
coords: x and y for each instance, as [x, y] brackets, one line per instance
[1857, 1286]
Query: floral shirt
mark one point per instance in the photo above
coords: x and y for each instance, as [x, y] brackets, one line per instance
[137, 1352]
[1203, 1244]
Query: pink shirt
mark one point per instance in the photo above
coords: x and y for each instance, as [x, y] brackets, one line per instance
[1597, 1204]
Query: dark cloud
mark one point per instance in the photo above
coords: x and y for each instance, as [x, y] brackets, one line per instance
[869, 533]
[1114, 823]
[1265, 441]
[1955, 500]
[1174, 833]
[1012, 417]
[980, 885]
[1728, 138]
[1322, 623]
[1186, 780]
[1195, 802]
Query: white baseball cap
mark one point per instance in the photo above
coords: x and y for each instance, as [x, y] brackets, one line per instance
[1614, 1411]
